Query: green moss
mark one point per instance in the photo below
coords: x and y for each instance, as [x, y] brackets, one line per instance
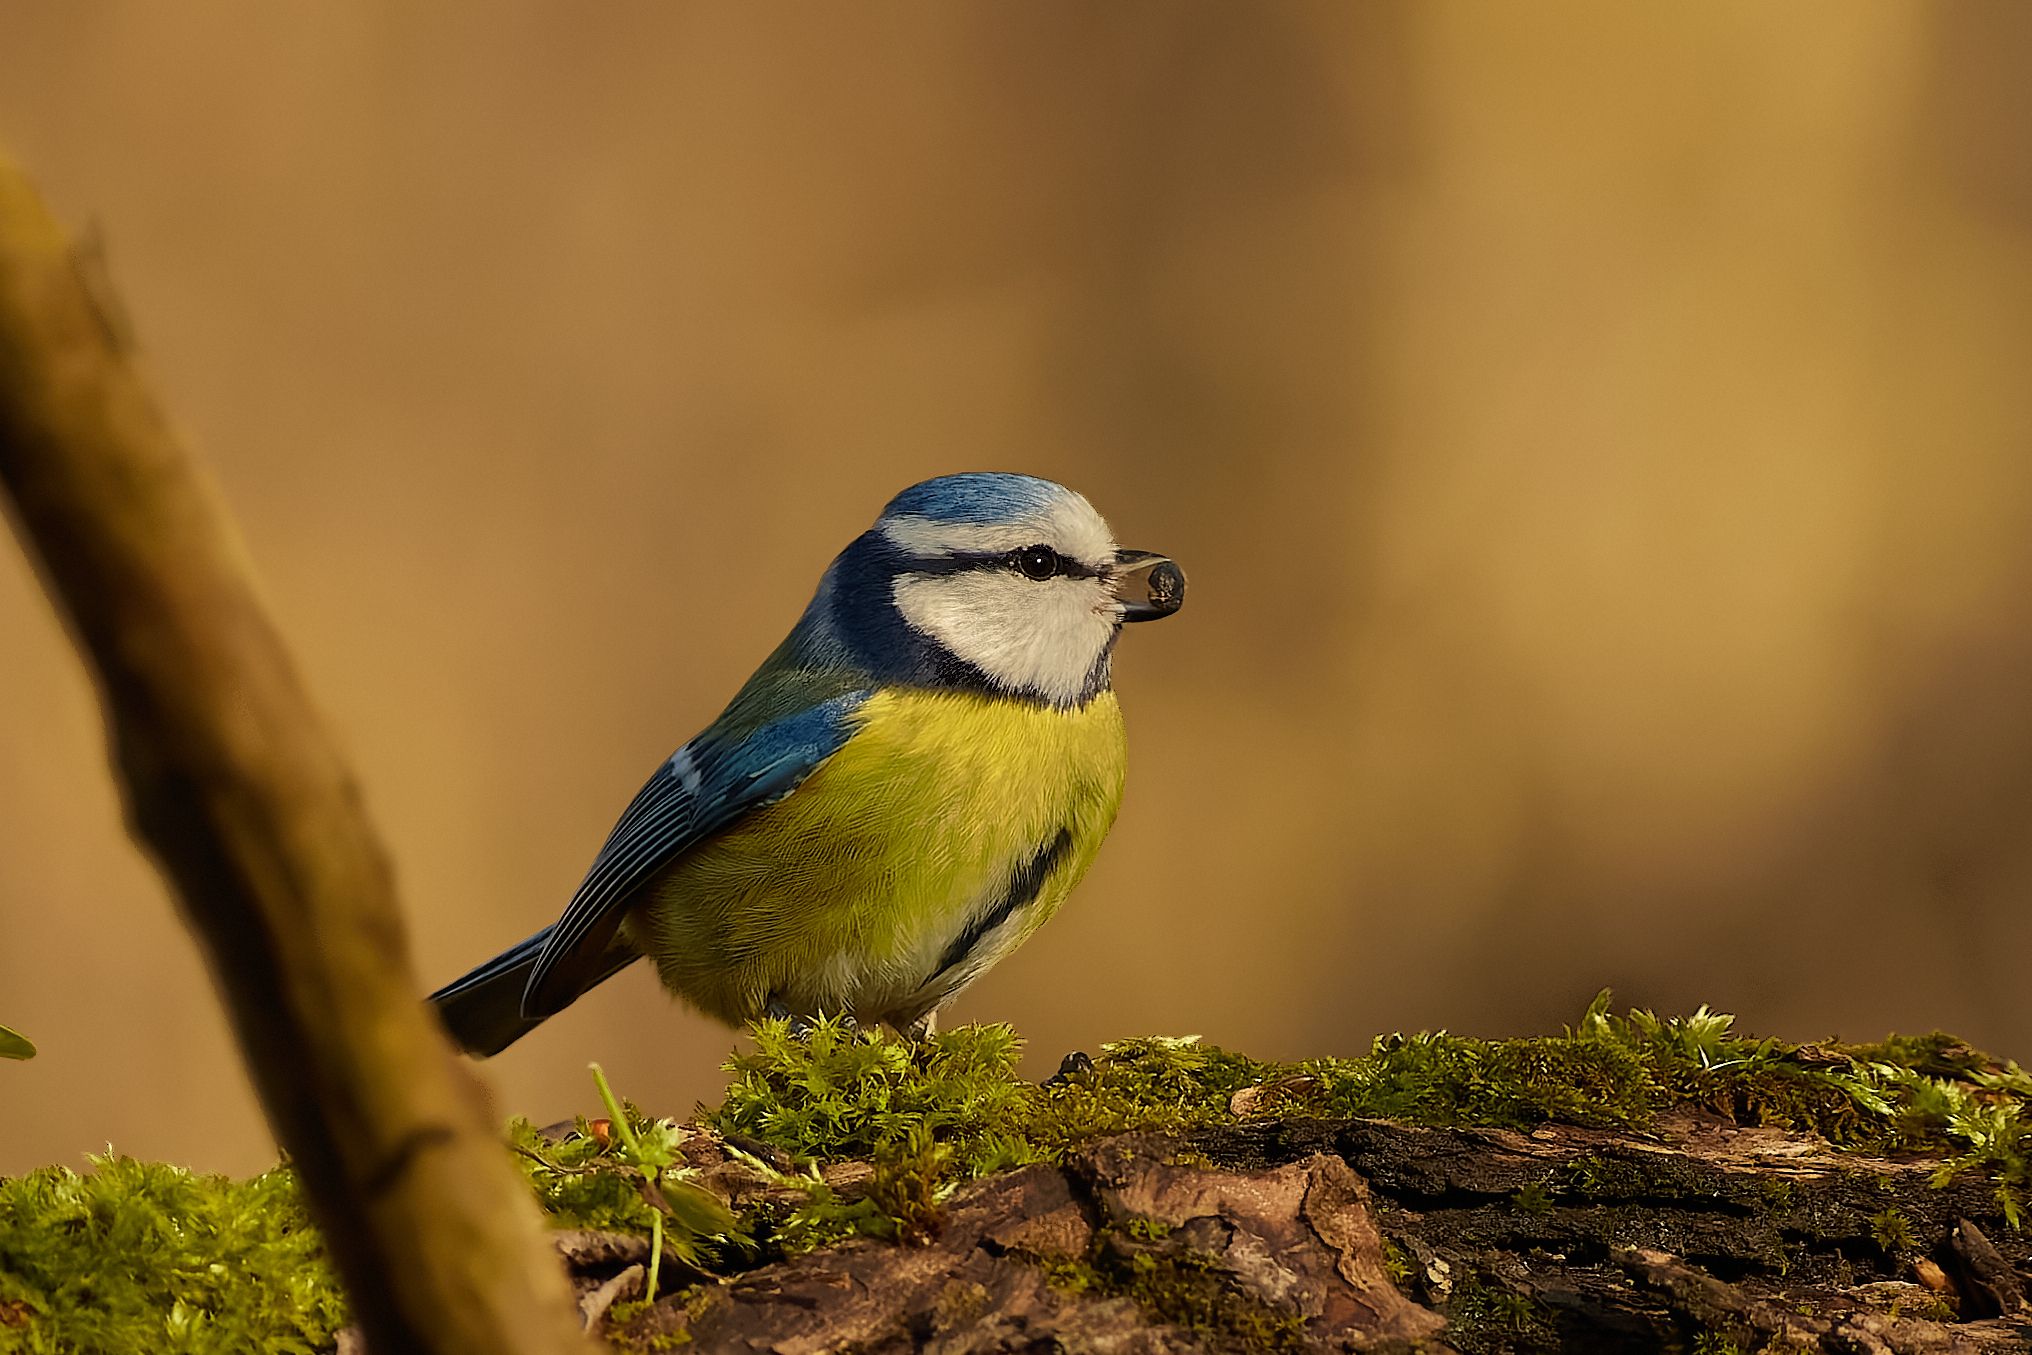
[1489, 1318]
[625, 1174]
[1179, 1286]
[619, 1333]
[859, 1094]
[1072, 1275]
[1587, 1175]
[847, 1093]
[841, 1092]
[1396, 1261]
[1892, 1231]
[1188, 1289]
[211, 1263]
[577, 1180]
[1977, 1120]
[1154, 1085]
[1442, 1079]
[900, 1203]
[1926, 1306]
[1714, 1343]
[144, 1258]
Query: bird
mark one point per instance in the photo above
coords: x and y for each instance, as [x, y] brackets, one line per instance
[905, 790]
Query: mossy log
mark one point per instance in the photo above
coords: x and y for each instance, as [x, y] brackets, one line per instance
[1633, 1183]
[1297, 1234]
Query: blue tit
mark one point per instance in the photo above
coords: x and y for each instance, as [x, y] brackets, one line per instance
[902, 793]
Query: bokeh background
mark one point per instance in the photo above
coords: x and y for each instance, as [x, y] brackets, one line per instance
[1600, 437]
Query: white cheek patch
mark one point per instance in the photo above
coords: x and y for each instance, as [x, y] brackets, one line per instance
[1042, 637]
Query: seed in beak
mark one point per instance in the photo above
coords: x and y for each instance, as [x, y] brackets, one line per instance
[1150, 586]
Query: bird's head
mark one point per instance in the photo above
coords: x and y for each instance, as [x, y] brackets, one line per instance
[994, 579]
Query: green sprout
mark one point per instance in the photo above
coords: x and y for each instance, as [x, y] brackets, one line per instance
[652, 1156]
[15, 1045]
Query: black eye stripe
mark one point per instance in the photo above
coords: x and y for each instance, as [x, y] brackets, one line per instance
[961, 562]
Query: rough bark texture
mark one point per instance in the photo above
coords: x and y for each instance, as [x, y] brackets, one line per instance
[1366, 1235]
[233, 784]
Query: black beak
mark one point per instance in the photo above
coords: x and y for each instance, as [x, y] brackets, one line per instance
[1149, 585]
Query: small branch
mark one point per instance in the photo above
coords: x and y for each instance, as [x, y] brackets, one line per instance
[232, 783]
[593, 1307]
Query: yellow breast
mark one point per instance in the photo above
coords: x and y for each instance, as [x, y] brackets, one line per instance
[948, 829]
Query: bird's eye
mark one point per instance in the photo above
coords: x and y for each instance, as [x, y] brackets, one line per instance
[1037, 562]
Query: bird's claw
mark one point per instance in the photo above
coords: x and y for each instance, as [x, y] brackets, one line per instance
[1074, 1065]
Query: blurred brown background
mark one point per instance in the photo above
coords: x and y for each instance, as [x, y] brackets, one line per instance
[1600, 437]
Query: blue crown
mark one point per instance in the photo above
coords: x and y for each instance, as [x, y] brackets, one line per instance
[976, 496]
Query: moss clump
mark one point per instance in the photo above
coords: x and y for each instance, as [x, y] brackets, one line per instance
[847, 1093]
[930, 1114]
[841, 1092]
[1717, 1343]
[899, 1203]
[1179, 1286]
[1926, 1094]
[1979, 1122]
[1188, 1289]
[1495, 1319]
[1150, 1085]
[1607, 1072]
[144, 1258]
[1444, 1079]
[1892, 1231]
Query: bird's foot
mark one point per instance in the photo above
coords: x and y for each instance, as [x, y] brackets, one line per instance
[923, 1028]
[1073, 1065]
[800, 1024]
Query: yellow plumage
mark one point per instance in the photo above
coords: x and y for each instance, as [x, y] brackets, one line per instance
[853, 893]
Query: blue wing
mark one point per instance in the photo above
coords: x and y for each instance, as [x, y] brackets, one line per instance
[704, 787]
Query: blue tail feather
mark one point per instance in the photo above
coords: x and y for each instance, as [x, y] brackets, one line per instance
[483, 1009]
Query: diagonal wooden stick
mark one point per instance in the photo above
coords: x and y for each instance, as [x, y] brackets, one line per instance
[233, 784]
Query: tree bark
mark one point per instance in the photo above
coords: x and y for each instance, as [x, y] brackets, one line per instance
[1368, 1235]
[232, 783]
